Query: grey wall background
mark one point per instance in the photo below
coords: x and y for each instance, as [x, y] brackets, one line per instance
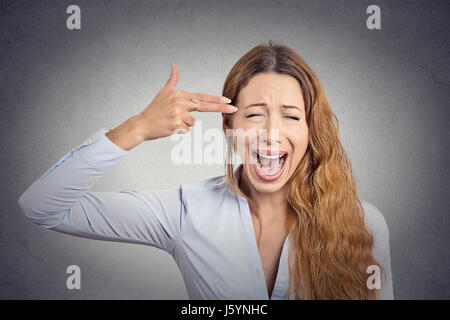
[389, 89]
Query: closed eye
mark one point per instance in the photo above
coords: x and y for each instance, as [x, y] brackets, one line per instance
[292, 117]
[254, 115]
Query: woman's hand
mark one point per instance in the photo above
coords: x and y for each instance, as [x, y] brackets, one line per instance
[169, 112]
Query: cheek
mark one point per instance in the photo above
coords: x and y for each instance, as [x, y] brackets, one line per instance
[299, 142]
[244, 124]
[244, 138]
[244, 130]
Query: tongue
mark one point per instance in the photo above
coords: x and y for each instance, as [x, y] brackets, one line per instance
[269, 167]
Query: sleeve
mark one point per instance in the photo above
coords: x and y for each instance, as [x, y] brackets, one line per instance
[377, 223]
[60, 200]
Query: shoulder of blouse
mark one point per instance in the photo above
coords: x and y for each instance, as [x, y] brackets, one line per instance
[374, 219]
[212, 183]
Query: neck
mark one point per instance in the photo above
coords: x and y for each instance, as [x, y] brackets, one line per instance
[270, 206]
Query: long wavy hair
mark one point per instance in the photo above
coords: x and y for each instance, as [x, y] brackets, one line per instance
[330, 244]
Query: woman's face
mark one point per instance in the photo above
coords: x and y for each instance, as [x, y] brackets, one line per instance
[271, 117]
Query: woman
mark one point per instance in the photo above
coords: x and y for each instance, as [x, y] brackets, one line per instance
[287, 223]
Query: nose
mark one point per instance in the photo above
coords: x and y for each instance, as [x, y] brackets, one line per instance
[271, 132]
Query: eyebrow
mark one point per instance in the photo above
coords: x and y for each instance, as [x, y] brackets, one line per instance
[263, 104]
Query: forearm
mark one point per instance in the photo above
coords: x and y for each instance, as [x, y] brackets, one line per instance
[62, 186]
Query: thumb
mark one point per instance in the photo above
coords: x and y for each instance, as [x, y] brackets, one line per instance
[173, 79]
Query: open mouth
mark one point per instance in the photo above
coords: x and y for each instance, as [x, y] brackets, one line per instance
[268, 166]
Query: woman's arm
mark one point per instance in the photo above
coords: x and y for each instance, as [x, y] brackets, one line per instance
[61, 200]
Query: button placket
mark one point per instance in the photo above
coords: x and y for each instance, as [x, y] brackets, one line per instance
[258, 276]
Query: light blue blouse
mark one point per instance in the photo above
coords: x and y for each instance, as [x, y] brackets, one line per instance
[204, 226]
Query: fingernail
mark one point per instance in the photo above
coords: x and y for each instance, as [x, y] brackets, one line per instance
[179, 131]
[233, 108]
[225, 99]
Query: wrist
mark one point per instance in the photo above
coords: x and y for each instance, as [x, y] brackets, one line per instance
[135, 129]
[127, 135]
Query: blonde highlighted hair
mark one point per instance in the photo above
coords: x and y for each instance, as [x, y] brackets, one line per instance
[330, 245]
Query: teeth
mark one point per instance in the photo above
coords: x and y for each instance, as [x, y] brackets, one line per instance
[266, 158]
[281, 162]
[270, 157]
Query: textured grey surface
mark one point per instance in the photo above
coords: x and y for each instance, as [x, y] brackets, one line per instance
[389, 89]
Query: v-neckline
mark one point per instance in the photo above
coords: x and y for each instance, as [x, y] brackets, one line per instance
[260, 278]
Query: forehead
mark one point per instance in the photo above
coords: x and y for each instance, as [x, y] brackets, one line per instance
[272, 88]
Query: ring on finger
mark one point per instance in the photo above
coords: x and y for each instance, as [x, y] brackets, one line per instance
[196, 103]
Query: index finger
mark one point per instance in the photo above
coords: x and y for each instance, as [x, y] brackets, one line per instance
[204, 106]
[206, 97]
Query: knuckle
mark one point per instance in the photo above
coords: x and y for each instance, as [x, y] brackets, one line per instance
[177, 112]
[178, 93]
[175, 96]
[179, 123]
